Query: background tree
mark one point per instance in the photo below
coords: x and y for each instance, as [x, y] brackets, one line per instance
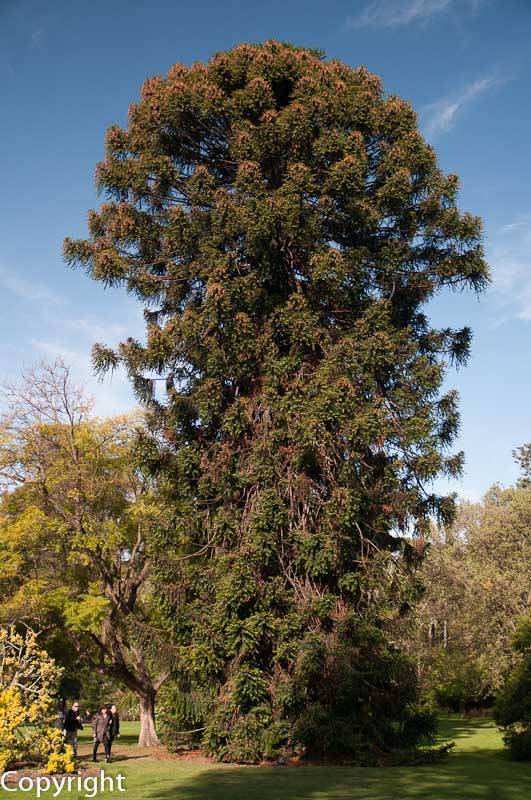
[285, 224]
[512, 709]
[78, 522]
[477, 576]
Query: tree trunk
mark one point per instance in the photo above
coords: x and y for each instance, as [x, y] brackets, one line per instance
[148, 734]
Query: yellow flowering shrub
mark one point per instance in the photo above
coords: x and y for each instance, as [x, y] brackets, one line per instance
[12, 716]
[59, 756]
[5, 757]
[28, 677]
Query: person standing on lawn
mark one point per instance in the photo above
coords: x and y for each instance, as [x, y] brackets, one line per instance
[101, 729]
[71, 725]
[115, 725]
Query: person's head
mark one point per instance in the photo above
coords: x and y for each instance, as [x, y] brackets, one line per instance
[104, 710]
[113, 709]
[75, 706]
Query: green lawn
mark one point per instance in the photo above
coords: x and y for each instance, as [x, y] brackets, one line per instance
[478, 769]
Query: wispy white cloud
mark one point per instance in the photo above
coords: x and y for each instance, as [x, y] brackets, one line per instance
[50, 329]
[441, 116]
[27, 288]
[72, 340]
[509, 255]
[98, 331]
[396, 13]
[112, 395]
[522, 225]
[38, 36]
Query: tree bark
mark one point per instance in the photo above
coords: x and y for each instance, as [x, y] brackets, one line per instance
[148, 733]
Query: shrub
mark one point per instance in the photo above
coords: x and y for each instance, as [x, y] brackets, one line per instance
[58, 755]
[512, 708]
[519, 743]
[28, 677]
[359, 700]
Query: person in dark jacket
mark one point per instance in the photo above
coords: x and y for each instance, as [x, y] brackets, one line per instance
[71, 725]
[60, 716]
[101, 729]
[115, 725]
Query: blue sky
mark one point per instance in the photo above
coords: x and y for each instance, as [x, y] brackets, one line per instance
[70, 69]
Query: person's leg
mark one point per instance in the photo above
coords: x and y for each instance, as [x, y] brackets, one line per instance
[107, 747]
[111, 740]
[71, 739]
[95, 751]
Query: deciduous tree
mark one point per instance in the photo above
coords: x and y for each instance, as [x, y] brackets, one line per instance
[78, 519]
[477, 576]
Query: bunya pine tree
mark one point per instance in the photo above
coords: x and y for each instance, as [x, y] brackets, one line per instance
[285, 224]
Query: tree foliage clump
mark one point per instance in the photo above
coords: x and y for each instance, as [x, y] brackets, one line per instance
[284, 224]
[477, 575]
[512, 709]
[28, 680]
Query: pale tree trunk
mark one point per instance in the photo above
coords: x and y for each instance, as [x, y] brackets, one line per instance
[148, 733]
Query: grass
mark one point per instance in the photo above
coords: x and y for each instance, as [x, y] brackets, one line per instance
[478, 769]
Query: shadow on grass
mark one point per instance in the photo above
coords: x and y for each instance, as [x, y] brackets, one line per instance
[451, 782]
[478, 770]
[481, 770]
[460, 727]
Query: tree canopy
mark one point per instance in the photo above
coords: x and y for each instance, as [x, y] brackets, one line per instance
[477, 578]
[78, 528]
[284, 224]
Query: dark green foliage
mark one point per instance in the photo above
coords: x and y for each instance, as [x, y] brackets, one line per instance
[512, 709]
[181, 713]
[356, 697]
[522, 456]
[420, 757]
[90, 689]
[519, 743]
[455, 683]
[284, 224]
